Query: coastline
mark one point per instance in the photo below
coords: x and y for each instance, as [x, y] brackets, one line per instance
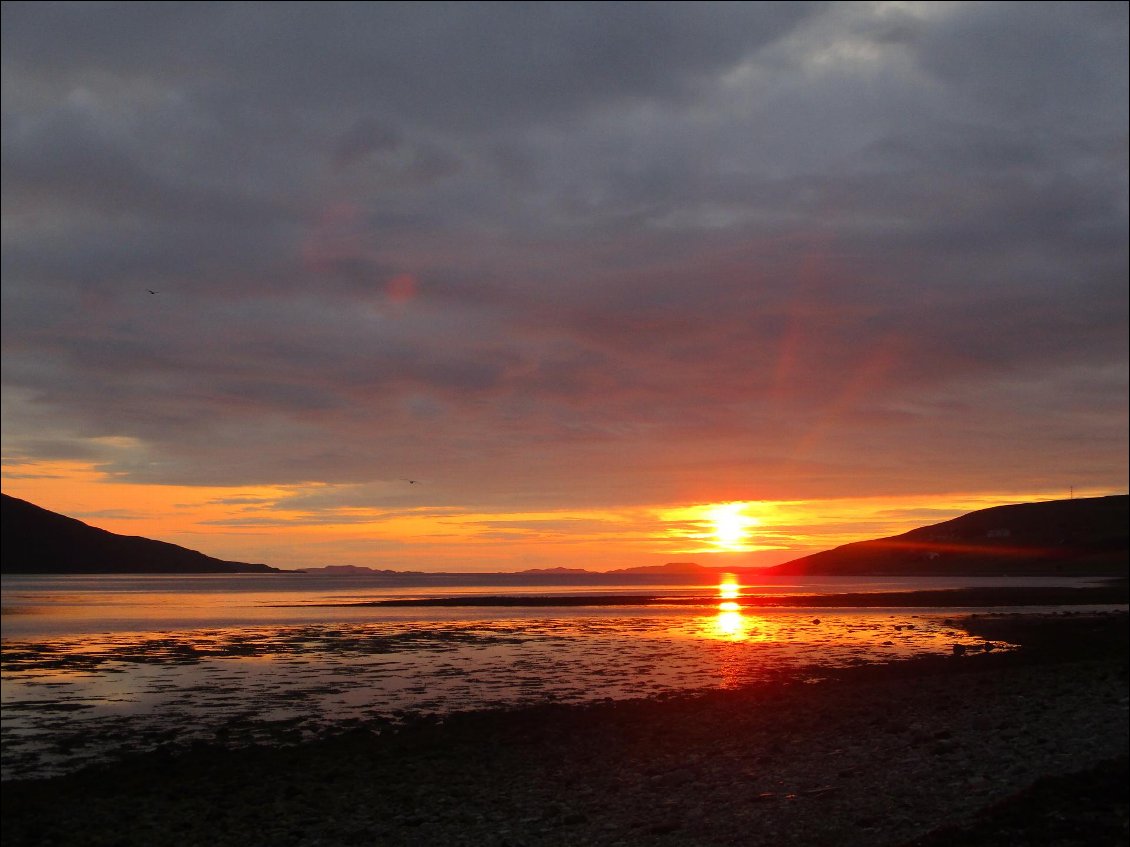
[1111, 591]
[874, 755]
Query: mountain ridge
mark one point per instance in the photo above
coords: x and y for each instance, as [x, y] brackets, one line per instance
[1084, 536]
[38, 541]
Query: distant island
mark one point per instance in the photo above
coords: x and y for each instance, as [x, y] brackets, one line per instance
[38, 541]
[1084, 537]
[675, 572]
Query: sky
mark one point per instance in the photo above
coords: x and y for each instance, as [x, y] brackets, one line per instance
[480, 286]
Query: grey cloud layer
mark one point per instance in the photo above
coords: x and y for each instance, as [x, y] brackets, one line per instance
[568, 254]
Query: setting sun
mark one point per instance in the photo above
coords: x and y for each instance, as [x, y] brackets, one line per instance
[731, 525]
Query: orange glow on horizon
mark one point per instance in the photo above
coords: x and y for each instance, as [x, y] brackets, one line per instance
[309, 524]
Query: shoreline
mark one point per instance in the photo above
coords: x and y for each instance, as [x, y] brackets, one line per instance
[1111, 592]
[874, 755]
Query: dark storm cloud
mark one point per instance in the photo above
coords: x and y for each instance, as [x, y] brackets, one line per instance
[564, 253]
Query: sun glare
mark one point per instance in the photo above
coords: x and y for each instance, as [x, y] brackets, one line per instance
[731, 526]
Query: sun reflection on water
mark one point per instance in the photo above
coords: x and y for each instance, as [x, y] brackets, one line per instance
[730, 624]
[728, 588]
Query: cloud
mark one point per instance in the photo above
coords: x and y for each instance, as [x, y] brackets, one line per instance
[568, 254]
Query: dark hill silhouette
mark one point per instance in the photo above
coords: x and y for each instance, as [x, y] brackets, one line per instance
[1087, 536]
[38, 541]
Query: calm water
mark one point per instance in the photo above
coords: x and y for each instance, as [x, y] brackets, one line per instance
[95, 667]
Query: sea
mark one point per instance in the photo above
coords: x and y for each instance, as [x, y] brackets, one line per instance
[94, 668]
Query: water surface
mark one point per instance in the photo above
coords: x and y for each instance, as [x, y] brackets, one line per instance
[96, 667]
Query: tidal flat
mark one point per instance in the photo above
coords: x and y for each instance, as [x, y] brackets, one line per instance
[930, 750]
[73, 700]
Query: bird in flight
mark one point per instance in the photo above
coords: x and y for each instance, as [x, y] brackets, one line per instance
[412, 481]
[151, 291]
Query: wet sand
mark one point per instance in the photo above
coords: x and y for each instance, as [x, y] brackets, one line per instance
[944, 750]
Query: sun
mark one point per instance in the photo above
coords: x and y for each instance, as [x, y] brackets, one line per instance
[731, 526]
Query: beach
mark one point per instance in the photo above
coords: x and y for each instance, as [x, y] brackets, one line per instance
[654, 424]
[884, 754]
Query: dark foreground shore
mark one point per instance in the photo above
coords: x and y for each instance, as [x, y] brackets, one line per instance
[1018, 748]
